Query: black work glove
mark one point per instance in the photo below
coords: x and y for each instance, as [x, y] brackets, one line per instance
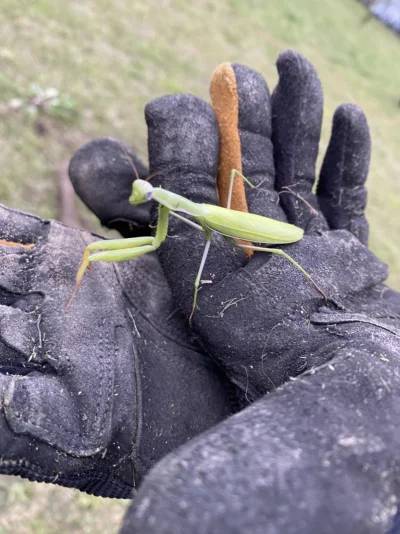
[320, 453]
[92, 398]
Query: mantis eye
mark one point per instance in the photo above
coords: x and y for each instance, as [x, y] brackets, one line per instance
[148, 191]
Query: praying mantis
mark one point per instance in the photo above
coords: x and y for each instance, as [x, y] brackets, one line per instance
[231, 224]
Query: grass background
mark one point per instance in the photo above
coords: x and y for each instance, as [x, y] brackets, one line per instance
[109, 60]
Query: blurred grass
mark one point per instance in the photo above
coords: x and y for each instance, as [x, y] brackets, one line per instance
[27, 508]
[111, 59]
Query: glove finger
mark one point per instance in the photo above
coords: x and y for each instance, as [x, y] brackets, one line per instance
[241, 102]
[20, 241]
[50, 409]
[30, 352]
[19, 227]
[18, 320]
[297, 105]
[183, 146]
[246, 475]
[341, 193]
[102, 177]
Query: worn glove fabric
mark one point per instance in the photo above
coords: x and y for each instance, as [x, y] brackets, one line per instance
[93, 397]
[320, 452]
[102, 173]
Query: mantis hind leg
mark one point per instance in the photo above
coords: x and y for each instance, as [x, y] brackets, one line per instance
[198, 277]
[285, 255]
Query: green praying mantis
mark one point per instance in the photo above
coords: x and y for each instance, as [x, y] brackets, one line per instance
[231, 224]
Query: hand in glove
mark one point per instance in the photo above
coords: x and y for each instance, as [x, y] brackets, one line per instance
[94, 397]
[319, 454]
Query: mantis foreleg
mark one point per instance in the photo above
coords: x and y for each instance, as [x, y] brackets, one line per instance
[123, 249]
[110, 245]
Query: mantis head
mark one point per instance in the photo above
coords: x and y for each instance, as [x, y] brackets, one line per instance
[142, 192]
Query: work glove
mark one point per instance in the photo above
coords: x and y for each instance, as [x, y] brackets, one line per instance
[93, 397]
[319, 452]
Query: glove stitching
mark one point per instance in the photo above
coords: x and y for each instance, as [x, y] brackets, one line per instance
[102, 428]
[105, 384]
[198, 355]
[136, 438]
[33, 472]
[144, 275]
[159, 327]
[335, 318]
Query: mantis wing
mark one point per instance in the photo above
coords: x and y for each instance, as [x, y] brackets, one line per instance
[249, 226]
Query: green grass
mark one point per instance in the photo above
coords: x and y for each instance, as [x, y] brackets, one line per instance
[110, 59]
[27, 508]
